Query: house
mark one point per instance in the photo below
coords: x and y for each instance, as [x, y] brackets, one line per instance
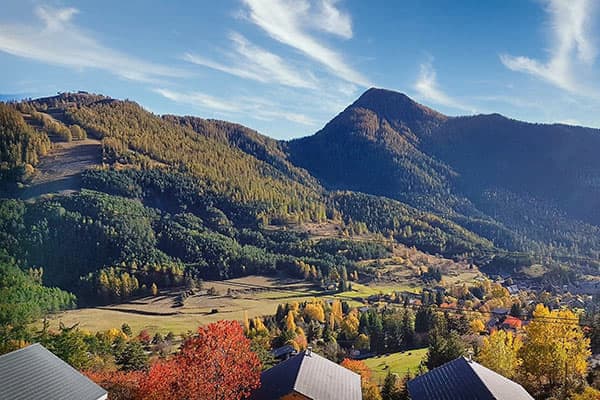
[35, 373]
[308, 376]
[463, 379]
[284, 352]
[492, 324]
[512, 323]
[513, 289]
[500, 311]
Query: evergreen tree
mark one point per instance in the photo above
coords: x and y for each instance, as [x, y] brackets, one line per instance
[132, 357]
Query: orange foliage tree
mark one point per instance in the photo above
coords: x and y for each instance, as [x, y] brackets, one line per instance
[216, 364]
[370, 390]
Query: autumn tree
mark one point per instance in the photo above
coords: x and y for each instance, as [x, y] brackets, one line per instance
[314, 312]
[477, 326]
[216, 364]
[500, 352]
[290, 323]
[554, 353]
[336, 311]
[370, 390]
[121, 385]
[350, 326]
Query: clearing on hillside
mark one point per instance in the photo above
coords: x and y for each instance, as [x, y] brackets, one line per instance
[60, 170]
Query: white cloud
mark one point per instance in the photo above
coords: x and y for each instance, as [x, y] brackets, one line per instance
[291, 22]
[200, 100]
[572, 45]
[332, 20]
[253, 62]
[57, 40]
[427, 89]
[256, 108]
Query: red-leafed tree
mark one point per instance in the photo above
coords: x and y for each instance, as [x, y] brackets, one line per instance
[121, 385]
[216, 364]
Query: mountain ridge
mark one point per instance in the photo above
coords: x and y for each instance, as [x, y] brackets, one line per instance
[504, 182]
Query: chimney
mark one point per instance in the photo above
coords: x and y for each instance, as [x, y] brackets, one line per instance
[309, 351]
[470, 355]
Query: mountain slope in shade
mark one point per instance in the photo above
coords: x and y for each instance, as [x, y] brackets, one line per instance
[373, 146]
[487, 172]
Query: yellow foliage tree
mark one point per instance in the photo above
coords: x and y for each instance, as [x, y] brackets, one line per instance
[336, 310]
[589, 393]
[290, 323]
[315, 312]
[114, 333]
[477, 326]
[331, 322]
[350, 326]
[554, 352]
[499, 352]
[259, 326]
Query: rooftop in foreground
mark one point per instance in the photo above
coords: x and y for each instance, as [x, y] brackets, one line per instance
[309, 376]
[34, 372]
[463, 379]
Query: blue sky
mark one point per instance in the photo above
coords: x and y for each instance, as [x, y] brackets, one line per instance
[286, 67]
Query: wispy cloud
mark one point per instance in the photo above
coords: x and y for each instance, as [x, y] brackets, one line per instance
[572, 45]
[56, 40]
[200, 100]
[427, 89]
[256, 108]
[293, 22]
[253, 62]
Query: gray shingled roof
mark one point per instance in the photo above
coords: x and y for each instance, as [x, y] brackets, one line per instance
[462, 379]
[312, 376]
[35, 373]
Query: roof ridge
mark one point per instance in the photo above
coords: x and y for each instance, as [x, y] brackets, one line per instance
[300, 354]
[469, 363]
[22, 348]
[495, 373]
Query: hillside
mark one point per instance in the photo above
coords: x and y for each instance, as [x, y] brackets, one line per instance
[167, 200]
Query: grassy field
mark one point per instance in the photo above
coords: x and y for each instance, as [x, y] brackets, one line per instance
[254, 295]
[398, 363]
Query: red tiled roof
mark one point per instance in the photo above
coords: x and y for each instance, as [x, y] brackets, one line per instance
[513, 322]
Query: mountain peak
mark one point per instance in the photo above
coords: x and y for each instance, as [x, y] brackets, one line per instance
[394, 105]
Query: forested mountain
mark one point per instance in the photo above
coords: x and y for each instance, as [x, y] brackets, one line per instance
[178, 198]
[524, 186]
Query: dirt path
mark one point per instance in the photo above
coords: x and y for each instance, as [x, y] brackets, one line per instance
[60, 170]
